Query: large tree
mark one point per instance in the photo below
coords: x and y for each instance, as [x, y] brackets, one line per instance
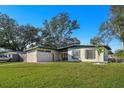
[27, 36]
[8, 28]
[15, 37]
[57, 32]
[97, 40]
[113, 27]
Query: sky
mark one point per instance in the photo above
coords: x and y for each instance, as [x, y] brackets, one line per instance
[88, 17]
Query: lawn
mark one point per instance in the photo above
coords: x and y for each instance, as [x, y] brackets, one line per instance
[61, 75]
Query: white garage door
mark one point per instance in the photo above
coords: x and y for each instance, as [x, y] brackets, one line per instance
[44, 56]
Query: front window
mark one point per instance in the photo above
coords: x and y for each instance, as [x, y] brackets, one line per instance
[75, 54]
[90, 54]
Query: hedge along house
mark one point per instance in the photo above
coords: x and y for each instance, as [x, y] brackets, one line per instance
[84, 53]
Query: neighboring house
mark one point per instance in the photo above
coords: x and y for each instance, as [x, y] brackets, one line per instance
[5, 50]
[10, 55]
[84, 53]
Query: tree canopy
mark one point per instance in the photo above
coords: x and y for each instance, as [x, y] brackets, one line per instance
[55, 33]
[119, 53]
[14, 36]
[113, 27]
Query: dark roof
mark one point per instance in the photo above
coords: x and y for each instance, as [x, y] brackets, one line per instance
[38, 47]
[84, 46]
[72, 46]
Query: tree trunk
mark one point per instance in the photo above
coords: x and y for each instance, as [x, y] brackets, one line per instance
[122, 45]
[98, 58]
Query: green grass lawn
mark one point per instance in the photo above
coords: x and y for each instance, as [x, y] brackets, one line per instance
[62, 75]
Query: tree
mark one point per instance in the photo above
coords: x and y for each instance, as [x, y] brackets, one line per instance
[119, 53]
[113, 27]
[15, 37]
[57, 32]
[8, 28]
[73, 41]
[97, 40]
[27, 36]
[100, 50]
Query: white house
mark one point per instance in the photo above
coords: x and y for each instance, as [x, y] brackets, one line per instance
[84, 53]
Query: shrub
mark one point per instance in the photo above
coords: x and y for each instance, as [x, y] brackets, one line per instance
[119, 53]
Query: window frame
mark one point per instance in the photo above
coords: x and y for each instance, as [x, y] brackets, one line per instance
[74, 56]
[88, 55]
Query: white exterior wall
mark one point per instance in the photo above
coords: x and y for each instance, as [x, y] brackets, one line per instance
[32, 56]
[44, 56]
[106, 55]
[38, 56]
[82, 55]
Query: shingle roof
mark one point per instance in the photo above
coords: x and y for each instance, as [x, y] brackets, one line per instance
[84, 46]
[38, 47]
[71, 46]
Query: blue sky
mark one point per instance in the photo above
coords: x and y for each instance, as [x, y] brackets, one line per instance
[89, 18]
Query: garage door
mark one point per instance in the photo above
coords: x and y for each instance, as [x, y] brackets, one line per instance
[32, 56]
[44, 56]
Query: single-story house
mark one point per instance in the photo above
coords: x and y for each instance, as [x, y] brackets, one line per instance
[84, 53]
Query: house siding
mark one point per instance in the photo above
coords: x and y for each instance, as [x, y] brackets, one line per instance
[82, 55]
[106, 55]
[32, 56]
[44, 56]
